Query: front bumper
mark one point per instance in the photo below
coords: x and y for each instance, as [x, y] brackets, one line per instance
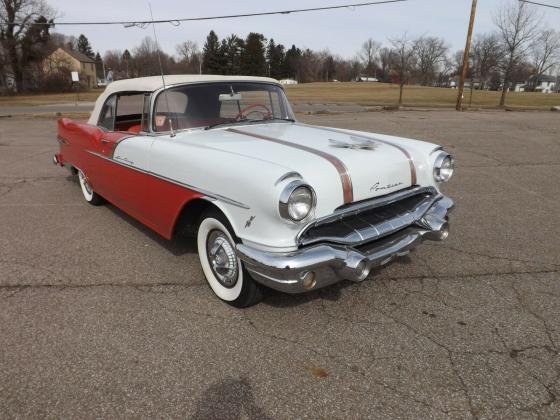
[330, 263]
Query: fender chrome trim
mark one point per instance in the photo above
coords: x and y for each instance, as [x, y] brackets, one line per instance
[207, 193]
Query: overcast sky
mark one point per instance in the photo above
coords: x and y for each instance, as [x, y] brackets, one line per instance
[341, 31]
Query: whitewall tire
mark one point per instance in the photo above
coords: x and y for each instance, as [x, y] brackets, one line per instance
[224, 272]
[89, 195]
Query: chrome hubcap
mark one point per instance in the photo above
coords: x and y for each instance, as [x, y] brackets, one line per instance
[84, 182]
[221, 256]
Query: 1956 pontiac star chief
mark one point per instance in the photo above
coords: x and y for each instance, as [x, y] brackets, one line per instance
[273, 202]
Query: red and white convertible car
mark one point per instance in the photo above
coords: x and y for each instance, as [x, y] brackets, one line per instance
[272, 201]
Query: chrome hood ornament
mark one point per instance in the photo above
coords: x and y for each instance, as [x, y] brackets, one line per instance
[356, 143]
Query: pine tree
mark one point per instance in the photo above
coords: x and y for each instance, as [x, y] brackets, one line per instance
[99, 66]
[253, 61]
[292, 63]
[232, 48]
[126, 57]
[211, 63]
[84, 46]
[275, 59]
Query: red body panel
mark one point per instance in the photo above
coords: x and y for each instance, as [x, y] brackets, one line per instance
[153, 201]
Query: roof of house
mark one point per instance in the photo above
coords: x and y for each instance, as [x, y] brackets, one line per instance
[77, 55]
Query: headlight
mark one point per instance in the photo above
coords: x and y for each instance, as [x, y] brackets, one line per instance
[296, 201]
[443, 167]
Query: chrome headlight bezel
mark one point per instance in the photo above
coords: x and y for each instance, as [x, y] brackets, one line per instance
[284, 201]
[441, 159]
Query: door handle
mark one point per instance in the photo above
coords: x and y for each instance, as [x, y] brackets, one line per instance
[105, 141]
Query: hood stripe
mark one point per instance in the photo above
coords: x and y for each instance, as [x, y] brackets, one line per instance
[347, 190]
[413, 177]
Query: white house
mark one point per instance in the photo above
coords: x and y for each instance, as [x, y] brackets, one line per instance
[366, 79]
[288, 81]
[547, 84]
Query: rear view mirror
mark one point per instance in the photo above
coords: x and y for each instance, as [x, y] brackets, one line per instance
[224, 97]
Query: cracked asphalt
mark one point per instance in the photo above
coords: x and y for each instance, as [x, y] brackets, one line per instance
[99, 317]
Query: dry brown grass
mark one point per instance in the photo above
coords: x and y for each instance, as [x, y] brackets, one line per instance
[367, 94]
[370, 94]
[49, 98]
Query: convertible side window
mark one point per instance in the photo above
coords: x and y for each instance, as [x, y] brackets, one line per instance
[130, 107]
[107, 119]
[123, 112]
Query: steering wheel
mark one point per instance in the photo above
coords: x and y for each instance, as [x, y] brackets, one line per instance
[266, 114]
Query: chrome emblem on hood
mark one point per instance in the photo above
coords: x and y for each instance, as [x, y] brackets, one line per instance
[357, 143]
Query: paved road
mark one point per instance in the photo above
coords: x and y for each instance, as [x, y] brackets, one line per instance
[101, 318]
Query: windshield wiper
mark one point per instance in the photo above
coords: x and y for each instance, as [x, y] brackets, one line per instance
[209, 127]
[281, 119]
[247, 121]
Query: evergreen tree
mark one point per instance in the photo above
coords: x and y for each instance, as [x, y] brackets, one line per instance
[253, 61]
[84, 46]
[232, 48]
[275, 59]
[99, 66]
[211, 62]
[126, 56]
[292, 63]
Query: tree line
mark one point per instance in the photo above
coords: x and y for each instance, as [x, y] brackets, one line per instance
[520, 49]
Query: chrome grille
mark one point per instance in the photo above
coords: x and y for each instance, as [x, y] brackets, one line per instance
[370, 220]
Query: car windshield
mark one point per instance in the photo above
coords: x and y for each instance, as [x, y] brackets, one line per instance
[213, 104]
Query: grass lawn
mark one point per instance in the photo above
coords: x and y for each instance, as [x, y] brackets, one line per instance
[49, 98]
[370, 94]
[366, 94]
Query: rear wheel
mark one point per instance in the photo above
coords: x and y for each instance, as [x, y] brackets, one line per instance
[90, 196]
[224, 272]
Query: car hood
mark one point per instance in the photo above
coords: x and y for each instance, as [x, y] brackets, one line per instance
[357, 165]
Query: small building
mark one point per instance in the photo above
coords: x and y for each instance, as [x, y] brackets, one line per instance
[288, 81]
[73, 61]
[366, 79]
[546, 84]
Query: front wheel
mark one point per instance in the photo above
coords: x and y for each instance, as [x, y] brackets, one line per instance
[224, 272]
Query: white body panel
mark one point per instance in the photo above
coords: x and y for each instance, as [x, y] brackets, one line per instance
[248, 170]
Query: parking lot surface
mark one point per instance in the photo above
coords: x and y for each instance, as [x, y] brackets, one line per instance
[99, 317]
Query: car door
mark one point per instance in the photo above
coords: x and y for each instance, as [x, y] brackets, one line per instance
[121, 174]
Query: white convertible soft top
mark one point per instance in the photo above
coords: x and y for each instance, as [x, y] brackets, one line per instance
[153, 83]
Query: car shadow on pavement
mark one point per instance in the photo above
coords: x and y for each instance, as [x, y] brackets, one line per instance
[229, 399]
[178, 246]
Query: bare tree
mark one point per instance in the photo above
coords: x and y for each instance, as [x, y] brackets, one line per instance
[17, 30]
[517, 25]
[403, 51]
[486, 54]
[430, 53]
[368, 56]
[386, 59]
[545, 54]
[190, 56]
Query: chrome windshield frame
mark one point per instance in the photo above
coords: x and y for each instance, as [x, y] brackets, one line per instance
[159, 91]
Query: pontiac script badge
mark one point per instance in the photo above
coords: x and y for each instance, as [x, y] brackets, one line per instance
[357, 143]
[378, 187]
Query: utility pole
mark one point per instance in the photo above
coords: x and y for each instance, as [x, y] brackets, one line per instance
[466, 55]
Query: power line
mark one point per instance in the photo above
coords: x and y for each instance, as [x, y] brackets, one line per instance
[144, 23]
[540, 4]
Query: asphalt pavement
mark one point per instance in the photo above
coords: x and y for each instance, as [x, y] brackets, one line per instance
[99, 317]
